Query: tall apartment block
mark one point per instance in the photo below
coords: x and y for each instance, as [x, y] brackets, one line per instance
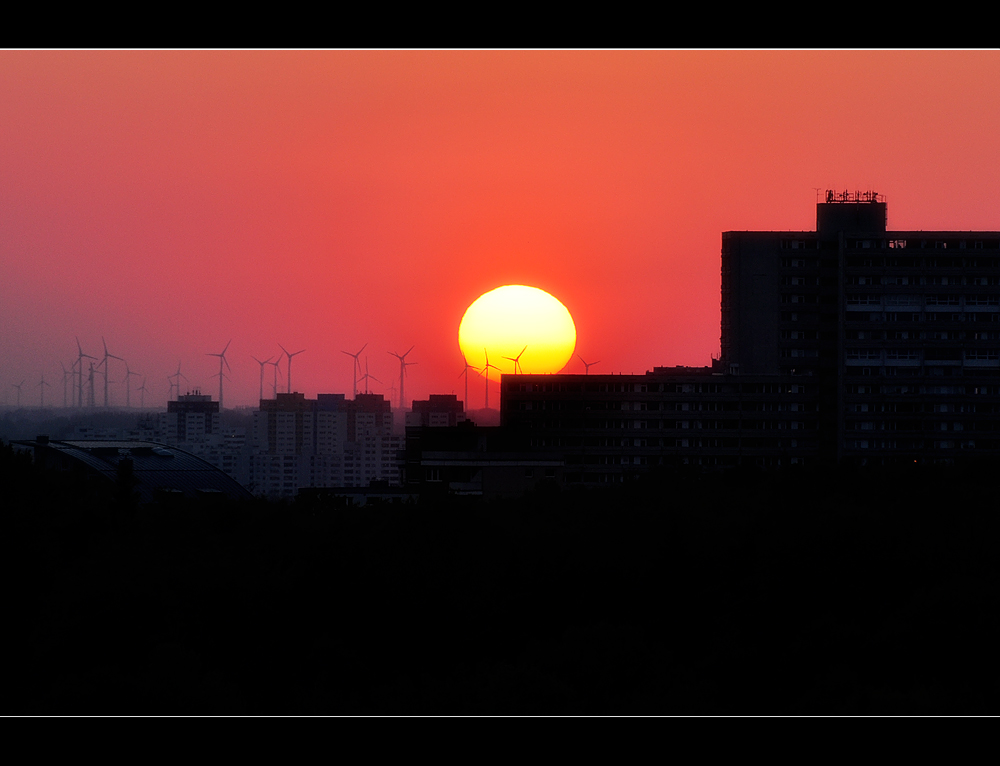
[329, 441]
[851, 342]
[189, 418]
[192, 422]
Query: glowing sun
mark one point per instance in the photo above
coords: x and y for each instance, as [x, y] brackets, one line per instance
[518, 322]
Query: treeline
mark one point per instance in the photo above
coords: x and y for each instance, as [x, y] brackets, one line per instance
[795, 592]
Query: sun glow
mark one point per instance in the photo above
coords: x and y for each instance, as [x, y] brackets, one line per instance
[518, 322]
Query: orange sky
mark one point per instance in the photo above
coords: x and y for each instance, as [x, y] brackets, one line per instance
[170, 201]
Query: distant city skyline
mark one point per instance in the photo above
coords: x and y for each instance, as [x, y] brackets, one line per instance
[165, 202]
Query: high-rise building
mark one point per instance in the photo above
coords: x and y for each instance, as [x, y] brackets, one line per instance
[190, 417]
[901, 329]
[329, 441]
[192, 422]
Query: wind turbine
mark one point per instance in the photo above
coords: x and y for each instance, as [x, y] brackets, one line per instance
[222, 360]
[41, 387]
[142, 396]
[366, 376]
[588, 365]
[105, 363]
[128, 385]
[517, 361]
[67, 374]
[18, 387]
[289, 370]
[274, 386]
[357, 366]
[486, 371]
[266, 361]
[176, 379]
[90, 380]
[81, 356]
[465, 372]
[403, 364]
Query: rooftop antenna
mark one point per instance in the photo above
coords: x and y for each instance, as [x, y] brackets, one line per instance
[104, 361]
[266, 361]
[366, 376]
[80, 357]
[486, 371]
[587, 365]
[18, 387]
[517, 361]
[465, 372]
[41, 387]
[357, 366]
[222, 360]
[128, 385]
[289, 370]
[403, 364]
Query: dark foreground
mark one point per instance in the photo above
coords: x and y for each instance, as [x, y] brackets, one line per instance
[867, 593]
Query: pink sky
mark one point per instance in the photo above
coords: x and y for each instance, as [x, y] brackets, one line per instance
[170, 201]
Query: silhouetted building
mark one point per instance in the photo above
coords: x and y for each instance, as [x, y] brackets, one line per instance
[849, 342]
[440, 410]
[900, 329]
[156, 470]
[608, 427]
[475, 461]
[329, 441]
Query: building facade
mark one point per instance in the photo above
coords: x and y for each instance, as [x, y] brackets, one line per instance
[329, 441]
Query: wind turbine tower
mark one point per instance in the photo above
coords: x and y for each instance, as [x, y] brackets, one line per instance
[465, 372]
[357, 367]
[18, 387]
[222, 360]
[366, 377]
[41, 387]
[403, 364]
[289, 370]
[266, 361]
[517, 361]
[105, 363]
[175, 380]
[486, 370]
[274, 386]
[81, 356]
[587, 365]
[90, 380]
[67, 375]
[128, 385]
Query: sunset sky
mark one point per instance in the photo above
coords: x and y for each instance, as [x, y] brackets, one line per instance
[171, 201]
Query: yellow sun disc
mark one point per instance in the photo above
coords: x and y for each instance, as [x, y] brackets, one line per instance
[518, 320]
